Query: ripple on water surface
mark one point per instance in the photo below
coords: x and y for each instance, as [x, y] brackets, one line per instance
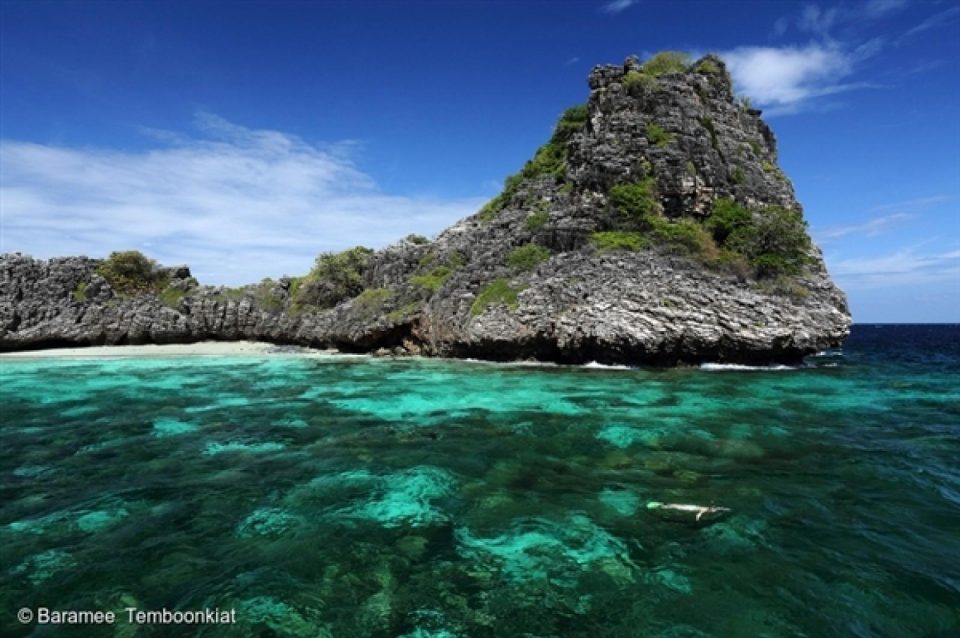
[349, 497]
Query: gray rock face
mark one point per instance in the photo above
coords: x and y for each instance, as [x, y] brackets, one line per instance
[466, 295]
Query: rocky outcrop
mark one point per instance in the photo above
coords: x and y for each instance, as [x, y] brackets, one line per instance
[527, 276]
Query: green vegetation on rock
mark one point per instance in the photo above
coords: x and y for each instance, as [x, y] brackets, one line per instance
[713, 68]
[707, 123]
[344, 269]
[768, 242]
[268, 296]
[403, 311]
[294, 288]
[228, 293]
[550, 160]
[636, 202]
[527, 257]
[80, 292]
[636, 83]
[434, 279]
[619, 240]
[497, 291]
[726, 217]
[686, 235]
[171, 296]
[786, 286]
[656, 135]
[536, 220]
[131, 272]
[373, 297]
[708, 66]
[774, 240]
[334, 277]
[572, 120]
[666, 62]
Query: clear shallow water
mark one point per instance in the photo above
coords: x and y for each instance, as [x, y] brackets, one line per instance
[355, 497]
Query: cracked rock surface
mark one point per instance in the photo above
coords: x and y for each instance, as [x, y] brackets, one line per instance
[578, 304]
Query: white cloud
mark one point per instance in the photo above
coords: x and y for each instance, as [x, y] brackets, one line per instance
[788, 76]
[616, 6]
[235, 204]
[870, 228]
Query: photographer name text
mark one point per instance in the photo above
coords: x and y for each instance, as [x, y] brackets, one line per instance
[133, 615]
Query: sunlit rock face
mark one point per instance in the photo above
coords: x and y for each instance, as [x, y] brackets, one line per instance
[655, 227]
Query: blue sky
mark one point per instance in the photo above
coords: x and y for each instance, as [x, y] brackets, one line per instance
[243, 138]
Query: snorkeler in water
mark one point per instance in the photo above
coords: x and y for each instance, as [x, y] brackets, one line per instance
[680, 507]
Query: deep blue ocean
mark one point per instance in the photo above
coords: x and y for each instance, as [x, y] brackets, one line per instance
[339, 496]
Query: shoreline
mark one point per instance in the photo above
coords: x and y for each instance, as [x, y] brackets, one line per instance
[251, 348]
[264, 348]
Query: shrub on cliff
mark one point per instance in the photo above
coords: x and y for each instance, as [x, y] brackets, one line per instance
[774, 240]
[549, 160]
[636, 83]
[497, 291]
[727, 217]
[536, 221]
[619, 240]
[334, 277]
[527, 257]
[572, 120]
[656, 135]
[130, 272]
[636, 203]
[685, 236]
[434, 279]
[666, 62]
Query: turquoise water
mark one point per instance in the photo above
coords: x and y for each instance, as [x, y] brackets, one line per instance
[370, 497]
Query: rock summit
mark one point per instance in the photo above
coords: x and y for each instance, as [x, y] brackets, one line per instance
[654, 227]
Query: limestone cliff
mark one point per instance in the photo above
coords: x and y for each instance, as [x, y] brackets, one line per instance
[654, 227]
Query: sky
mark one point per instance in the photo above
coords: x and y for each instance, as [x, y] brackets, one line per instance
[245, 138]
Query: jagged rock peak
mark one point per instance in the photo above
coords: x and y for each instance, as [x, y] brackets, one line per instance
[653, 227]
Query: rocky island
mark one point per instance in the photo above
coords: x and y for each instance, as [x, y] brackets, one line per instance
[654, 227]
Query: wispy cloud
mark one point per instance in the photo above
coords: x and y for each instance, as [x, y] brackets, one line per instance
[617, 6]
[904, 267]
[913, 205]
[816, 20]
[234, 203]
[880, 8]
[788, 79]
[869, 228]
[780, 26]
[821, 21]
[936, 20]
